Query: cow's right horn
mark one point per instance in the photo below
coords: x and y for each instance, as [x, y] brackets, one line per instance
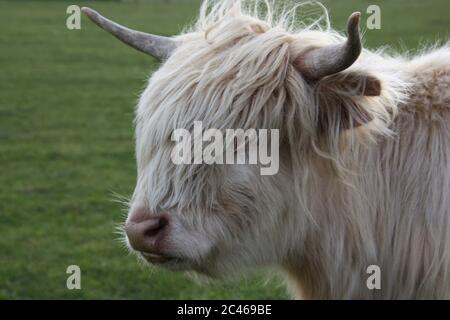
[320, 62]
[156, 46]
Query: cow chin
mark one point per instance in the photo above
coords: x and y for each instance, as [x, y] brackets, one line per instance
[198, 257]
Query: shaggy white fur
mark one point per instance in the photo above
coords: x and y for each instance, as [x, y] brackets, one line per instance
[351, 192]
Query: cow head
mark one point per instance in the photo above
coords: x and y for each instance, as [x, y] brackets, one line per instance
[236, 71]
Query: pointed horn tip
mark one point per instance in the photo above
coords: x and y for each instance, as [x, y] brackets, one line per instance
[90, 13]
[353, 20]
[87, 10]
[355, 15]
[353, 25]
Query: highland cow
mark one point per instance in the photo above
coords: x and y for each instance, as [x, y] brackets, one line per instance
[364, 173]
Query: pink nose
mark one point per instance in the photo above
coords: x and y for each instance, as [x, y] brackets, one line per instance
[144, 232]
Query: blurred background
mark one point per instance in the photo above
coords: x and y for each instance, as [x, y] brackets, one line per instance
[67, 148]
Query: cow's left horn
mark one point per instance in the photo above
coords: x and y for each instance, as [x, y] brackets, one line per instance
[156, 46]
[320, 62]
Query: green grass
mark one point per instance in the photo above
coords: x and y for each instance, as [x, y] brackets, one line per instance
[66, 143]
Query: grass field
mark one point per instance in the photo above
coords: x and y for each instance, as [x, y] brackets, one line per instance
[66, 143]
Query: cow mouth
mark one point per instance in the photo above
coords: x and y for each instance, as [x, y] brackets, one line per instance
[158, 258]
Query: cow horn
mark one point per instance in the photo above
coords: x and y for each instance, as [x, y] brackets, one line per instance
[156, 46]
[320, 62]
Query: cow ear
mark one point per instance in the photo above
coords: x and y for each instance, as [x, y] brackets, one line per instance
[341, 99]
[352, 84]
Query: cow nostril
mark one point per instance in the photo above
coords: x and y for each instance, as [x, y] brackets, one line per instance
[143, 234]
[156, 228]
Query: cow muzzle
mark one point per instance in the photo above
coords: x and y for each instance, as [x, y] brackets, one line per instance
[146, 234]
